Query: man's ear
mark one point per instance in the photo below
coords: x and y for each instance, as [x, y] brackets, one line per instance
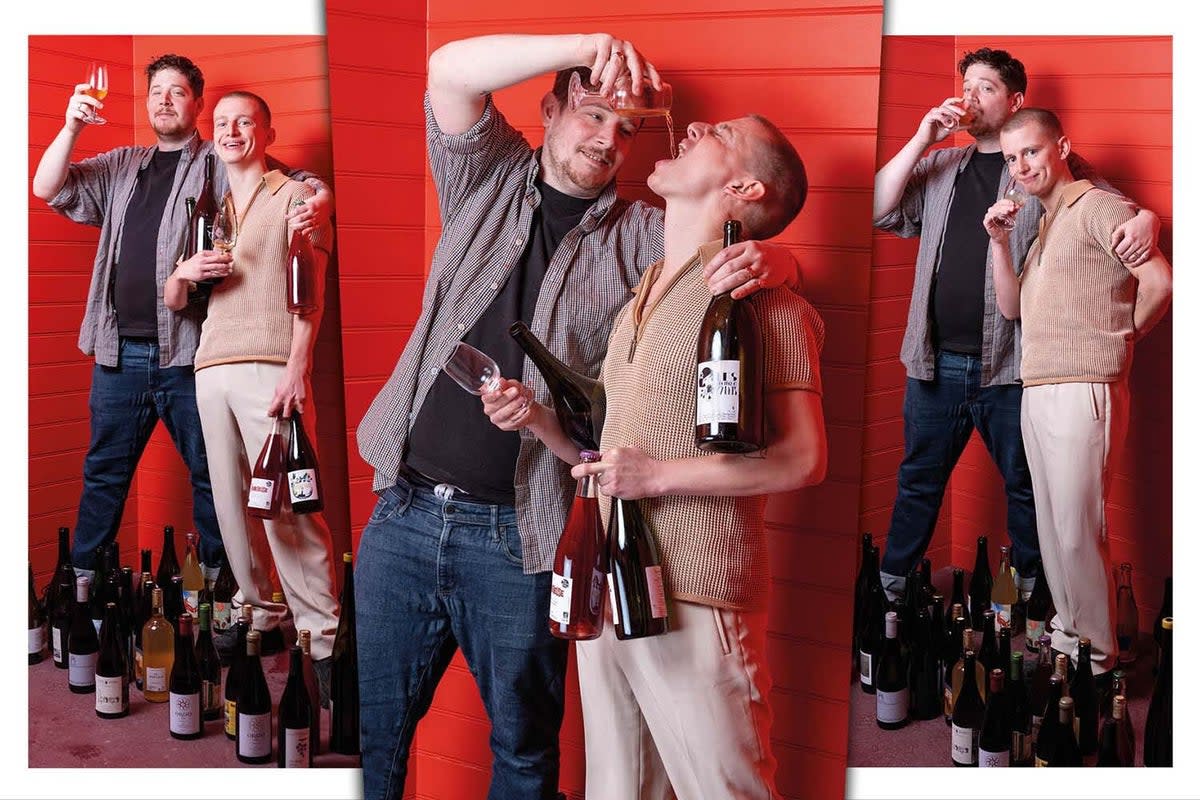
[746, 189]
[550, 108]
[270, 137]
[1064, 147]
[199, 106]
[1014, 105]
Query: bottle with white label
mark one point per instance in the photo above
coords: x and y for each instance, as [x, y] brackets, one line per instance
[158, 652]
[1004, 592]
[891, 679]
[112, 673]
[635, 577]
[83, 646]
[37, 624]
[266, 480]
[302, 473]
[60, 621]
[995, 738]
[580, 563]
[295, 716]
[253, 734]
[967, 720]
[186, 707]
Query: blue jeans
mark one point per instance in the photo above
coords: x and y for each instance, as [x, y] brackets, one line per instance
[126, 402]
[434, 575]
[938, 418]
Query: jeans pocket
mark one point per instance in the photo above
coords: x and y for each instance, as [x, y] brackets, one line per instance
[510, 543]
[391, 502]
[722, 633]
[1097, 402]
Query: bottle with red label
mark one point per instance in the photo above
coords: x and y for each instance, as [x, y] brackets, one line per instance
[303, 478]
[580, 564]
[636, 591]
[266, 480]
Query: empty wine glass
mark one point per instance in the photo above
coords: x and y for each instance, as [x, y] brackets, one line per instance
[97, 87]
[224, 229]
[1015, 192]
[472, 369]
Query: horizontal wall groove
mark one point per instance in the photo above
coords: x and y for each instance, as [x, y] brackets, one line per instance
[363, 15]
[722, 16]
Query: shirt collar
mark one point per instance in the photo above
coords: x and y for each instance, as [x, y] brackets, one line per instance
[1075, 190]
[190, 148]
[275, 180]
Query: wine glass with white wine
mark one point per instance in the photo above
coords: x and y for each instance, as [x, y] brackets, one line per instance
[224, 230]
[1015, 192]
[97, 87]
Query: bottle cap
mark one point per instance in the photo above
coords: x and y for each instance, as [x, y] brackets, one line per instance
[347, 558]
[588, 456]
[1168, 623]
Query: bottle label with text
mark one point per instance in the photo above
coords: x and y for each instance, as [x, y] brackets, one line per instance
[210, 696]
[191, 602]
[865, 673]
[230, 717]
[296, 747]
[262, 490]
[560, 600]
[254, 735]
[37, 639]
[891, 706]
[56, 643]
[596, 598]
[156, 679]
[1003, 615]
[717, 392]
[990, 759]
[964, 744]
[185, 713]
[656, 591]
[112, 694]
[222, 615]
[81, 669]
[302, 485]
[1034, 629]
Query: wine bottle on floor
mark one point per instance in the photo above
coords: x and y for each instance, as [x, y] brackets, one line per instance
[1065, 752]
[237, 662]
[1019, 718]
[1158, 742]
[1086, 700]
[112, 673]
[1004, 592]
[862, 592]
[145, 609]
[580, 565]
[967, 720]
[1047, 736]
[343, 672]
[1127, 619]
[1037, 610]
[37, 624]
[891, 679]
[870, 638]
[304, 639]
[995, 738]
[579, 401]
[83, 646]
[958, 595]
[193, 579]
[63, 571]
[1115, 750]
[208, 664]
[636, 589]
[168, 562]
[60, 622]
[158, 652]
[729, 372]
[253, 734]
[980, 591]
[186, 712]
[925, 678]
[295, 716]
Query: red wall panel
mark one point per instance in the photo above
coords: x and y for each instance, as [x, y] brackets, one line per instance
[1114, 97]
[289, 72]
[824, 96]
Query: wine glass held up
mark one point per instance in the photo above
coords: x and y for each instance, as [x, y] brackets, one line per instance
[472, 369]
[1016, 193]
[97, 87]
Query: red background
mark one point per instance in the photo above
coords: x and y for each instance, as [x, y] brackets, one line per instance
[813, 68]
[290, 73]
[1113, 95]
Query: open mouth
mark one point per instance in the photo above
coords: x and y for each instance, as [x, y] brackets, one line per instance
[599, 159]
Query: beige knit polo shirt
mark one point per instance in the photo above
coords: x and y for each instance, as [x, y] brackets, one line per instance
[247, 317]
[1077, 297]
[713, 548]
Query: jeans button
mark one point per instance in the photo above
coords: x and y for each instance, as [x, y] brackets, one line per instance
[450, 509]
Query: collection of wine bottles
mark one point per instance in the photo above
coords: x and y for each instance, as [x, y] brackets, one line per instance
[109, 636]
[1002, 710]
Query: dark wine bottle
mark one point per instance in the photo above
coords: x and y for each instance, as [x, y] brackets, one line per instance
[37, 624]
[862, 593]
[729, 372]
[1019, 718]
[168, 563]
[1114, 749]
[223, 591]
[1164, 611]
[952, 655]
[60, 622]
[636, 590]
[1037, 609]
[303, 475]
[304, 638]
[1047, 736]
[1065, 752]
[1127, 620]
[237, 662]
[253, 734]
[579, 401]
[925, 675]
[208, 664]
[83, 646]
[989, 653]
[173, 601]
[1157, 746]
[186, 712]
[870, 638]
[891, 679]
[958, 593]
[343, 673]
[147, 556]
[580, 565]
[980, 591]
[967, 719]
[112, 672]
[63, 571]
[127, 612]
[301, 277]
[295, 716]
[1039, 684]
[200, 220]
[99, 591]
[266, 479]
[1087, 701]
[995, 738]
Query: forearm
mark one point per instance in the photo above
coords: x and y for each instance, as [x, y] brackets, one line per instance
[483, 64]
[1008, 286]
[304, 337]
[51, 174]
[176, 291]
[544, 425]
[893, 177]
[1153, 295]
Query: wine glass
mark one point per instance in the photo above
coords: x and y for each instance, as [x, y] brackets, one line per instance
[472, 369]
[224, 226]
[1015, 192]
[97, 87]
[621, 99]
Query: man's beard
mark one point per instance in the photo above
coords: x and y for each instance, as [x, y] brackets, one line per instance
[587, 181]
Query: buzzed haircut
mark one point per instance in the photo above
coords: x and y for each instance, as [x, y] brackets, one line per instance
[262, 104]
[1012, 72]
[774, 161]
[1047, 119]
[181, 64]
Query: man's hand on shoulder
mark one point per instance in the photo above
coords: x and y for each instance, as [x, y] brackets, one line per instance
[746, 267]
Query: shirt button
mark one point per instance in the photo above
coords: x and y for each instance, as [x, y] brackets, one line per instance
[461, 327]
[433, 370]
[495, 287]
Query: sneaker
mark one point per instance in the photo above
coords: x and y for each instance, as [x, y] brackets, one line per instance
[322, 669]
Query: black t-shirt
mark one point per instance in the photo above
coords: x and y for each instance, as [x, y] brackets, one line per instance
[135, 289]
[452, 440]
[958, 289]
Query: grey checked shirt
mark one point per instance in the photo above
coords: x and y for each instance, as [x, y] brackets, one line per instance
[486, 195]
[97, 192]
[923, 211]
